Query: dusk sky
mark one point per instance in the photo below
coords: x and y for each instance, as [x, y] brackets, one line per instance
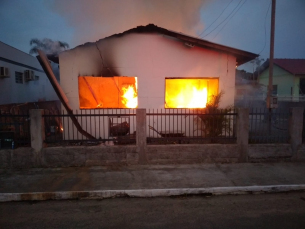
[242, 24]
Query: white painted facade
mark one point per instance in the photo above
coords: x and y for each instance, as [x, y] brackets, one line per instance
[151, 57]
[39, 89]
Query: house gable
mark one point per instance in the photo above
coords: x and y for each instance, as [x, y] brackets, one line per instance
[285, 81]
[240, 55]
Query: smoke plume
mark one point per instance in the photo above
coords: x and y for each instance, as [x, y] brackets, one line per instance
[96, 19]
[48, 46]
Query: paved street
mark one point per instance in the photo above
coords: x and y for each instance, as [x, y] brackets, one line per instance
[286, 210]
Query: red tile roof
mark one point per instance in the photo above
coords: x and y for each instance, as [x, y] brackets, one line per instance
[294, 66]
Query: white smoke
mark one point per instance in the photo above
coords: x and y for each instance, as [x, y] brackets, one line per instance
[96, 19]
[48, 46]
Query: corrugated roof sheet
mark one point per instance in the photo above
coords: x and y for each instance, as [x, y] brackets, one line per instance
[294, 66]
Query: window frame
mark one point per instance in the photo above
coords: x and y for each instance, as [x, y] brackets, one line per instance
[19, 77]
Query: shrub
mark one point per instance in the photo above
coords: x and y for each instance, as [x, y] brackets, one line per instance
[213, 122]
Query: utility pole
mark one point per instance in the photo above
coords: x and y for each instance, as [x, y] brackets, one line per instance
[269, 95]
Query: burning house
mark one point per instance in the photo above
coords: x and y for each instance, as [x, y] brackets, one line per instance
[149, 67]
[159, 67]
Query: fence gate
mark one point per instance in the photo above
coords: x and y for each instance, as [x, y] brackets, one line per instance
[14, 130]
[269, 127]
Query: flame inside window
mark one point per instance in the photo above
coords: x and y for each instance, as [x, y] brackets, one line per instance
[189, 93]
[107, 92]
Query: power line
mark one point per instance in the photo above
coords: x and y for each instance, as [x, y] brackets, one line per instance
[224, 19]
[265, 29]
[215, 19]
[229, 19]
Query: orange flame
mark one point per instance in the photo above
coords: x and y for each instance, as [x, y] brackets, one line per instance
[186, 94]
[130, 97]
[190, 99]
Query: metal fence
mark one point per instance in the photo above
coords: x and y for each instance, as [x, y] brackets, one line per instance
[110, 126]
[303, 133]
[269, 126]
[184, 126]
[14, 130]
[164, 126]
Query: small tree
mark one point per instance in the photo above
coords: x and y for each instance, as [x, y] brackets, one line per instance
[213, 121]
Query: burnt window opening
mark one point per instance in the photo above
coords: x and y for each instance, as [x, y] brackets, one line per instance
[107, 92]
[189, 92]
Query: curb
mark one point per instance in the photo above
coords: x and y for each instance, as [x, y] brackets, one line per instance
[146, 193]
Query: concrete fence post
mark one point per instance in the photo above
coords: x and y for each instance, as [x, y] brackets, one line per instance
[141, 135]
[37, 129]
[242, 133]
[295, 129]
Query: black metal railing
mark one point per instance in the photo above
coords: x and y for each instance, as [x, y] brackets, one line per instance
[164, 126]
[14, 130]
[111, 126]
[185, 126]
[269, 126]
[303, 133]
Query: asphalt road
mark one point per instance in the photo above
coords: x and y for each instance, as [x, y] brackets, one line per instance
[285, 210]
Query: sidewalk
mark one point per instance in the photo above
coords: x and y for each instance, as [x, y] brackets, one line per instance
[150, 180]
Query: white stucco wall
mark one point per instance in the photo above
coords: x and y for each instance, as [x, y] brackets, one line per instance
[31, 91]
[151, 58]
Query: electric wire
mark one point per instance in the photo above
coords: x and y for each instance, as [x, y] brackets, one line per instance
[229, 19]
[224, 19]
[215, 19]
[265, 29]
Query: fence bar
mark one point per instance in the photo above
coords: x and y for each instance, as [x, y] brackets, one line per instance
[266, 127]
[191, 126]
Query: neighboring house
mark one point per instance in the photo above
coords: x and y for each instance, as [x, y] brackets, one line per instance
[22, 79]
[162, 66]
[288, 79]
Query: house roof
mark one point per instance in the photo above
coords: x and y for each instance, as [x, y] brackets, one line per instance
[294, 66]
[241, 56]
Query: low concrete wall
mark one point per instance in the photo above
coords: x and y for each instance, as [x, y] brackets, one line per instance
[184, 154]
[18, 158]
[142, 153]
[301, 153]
[68, 156]
[269, 152]
[89, 156]
[156, 154]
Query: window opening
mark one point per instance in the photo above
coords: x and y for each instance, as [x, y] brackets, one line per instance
[19, 77]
